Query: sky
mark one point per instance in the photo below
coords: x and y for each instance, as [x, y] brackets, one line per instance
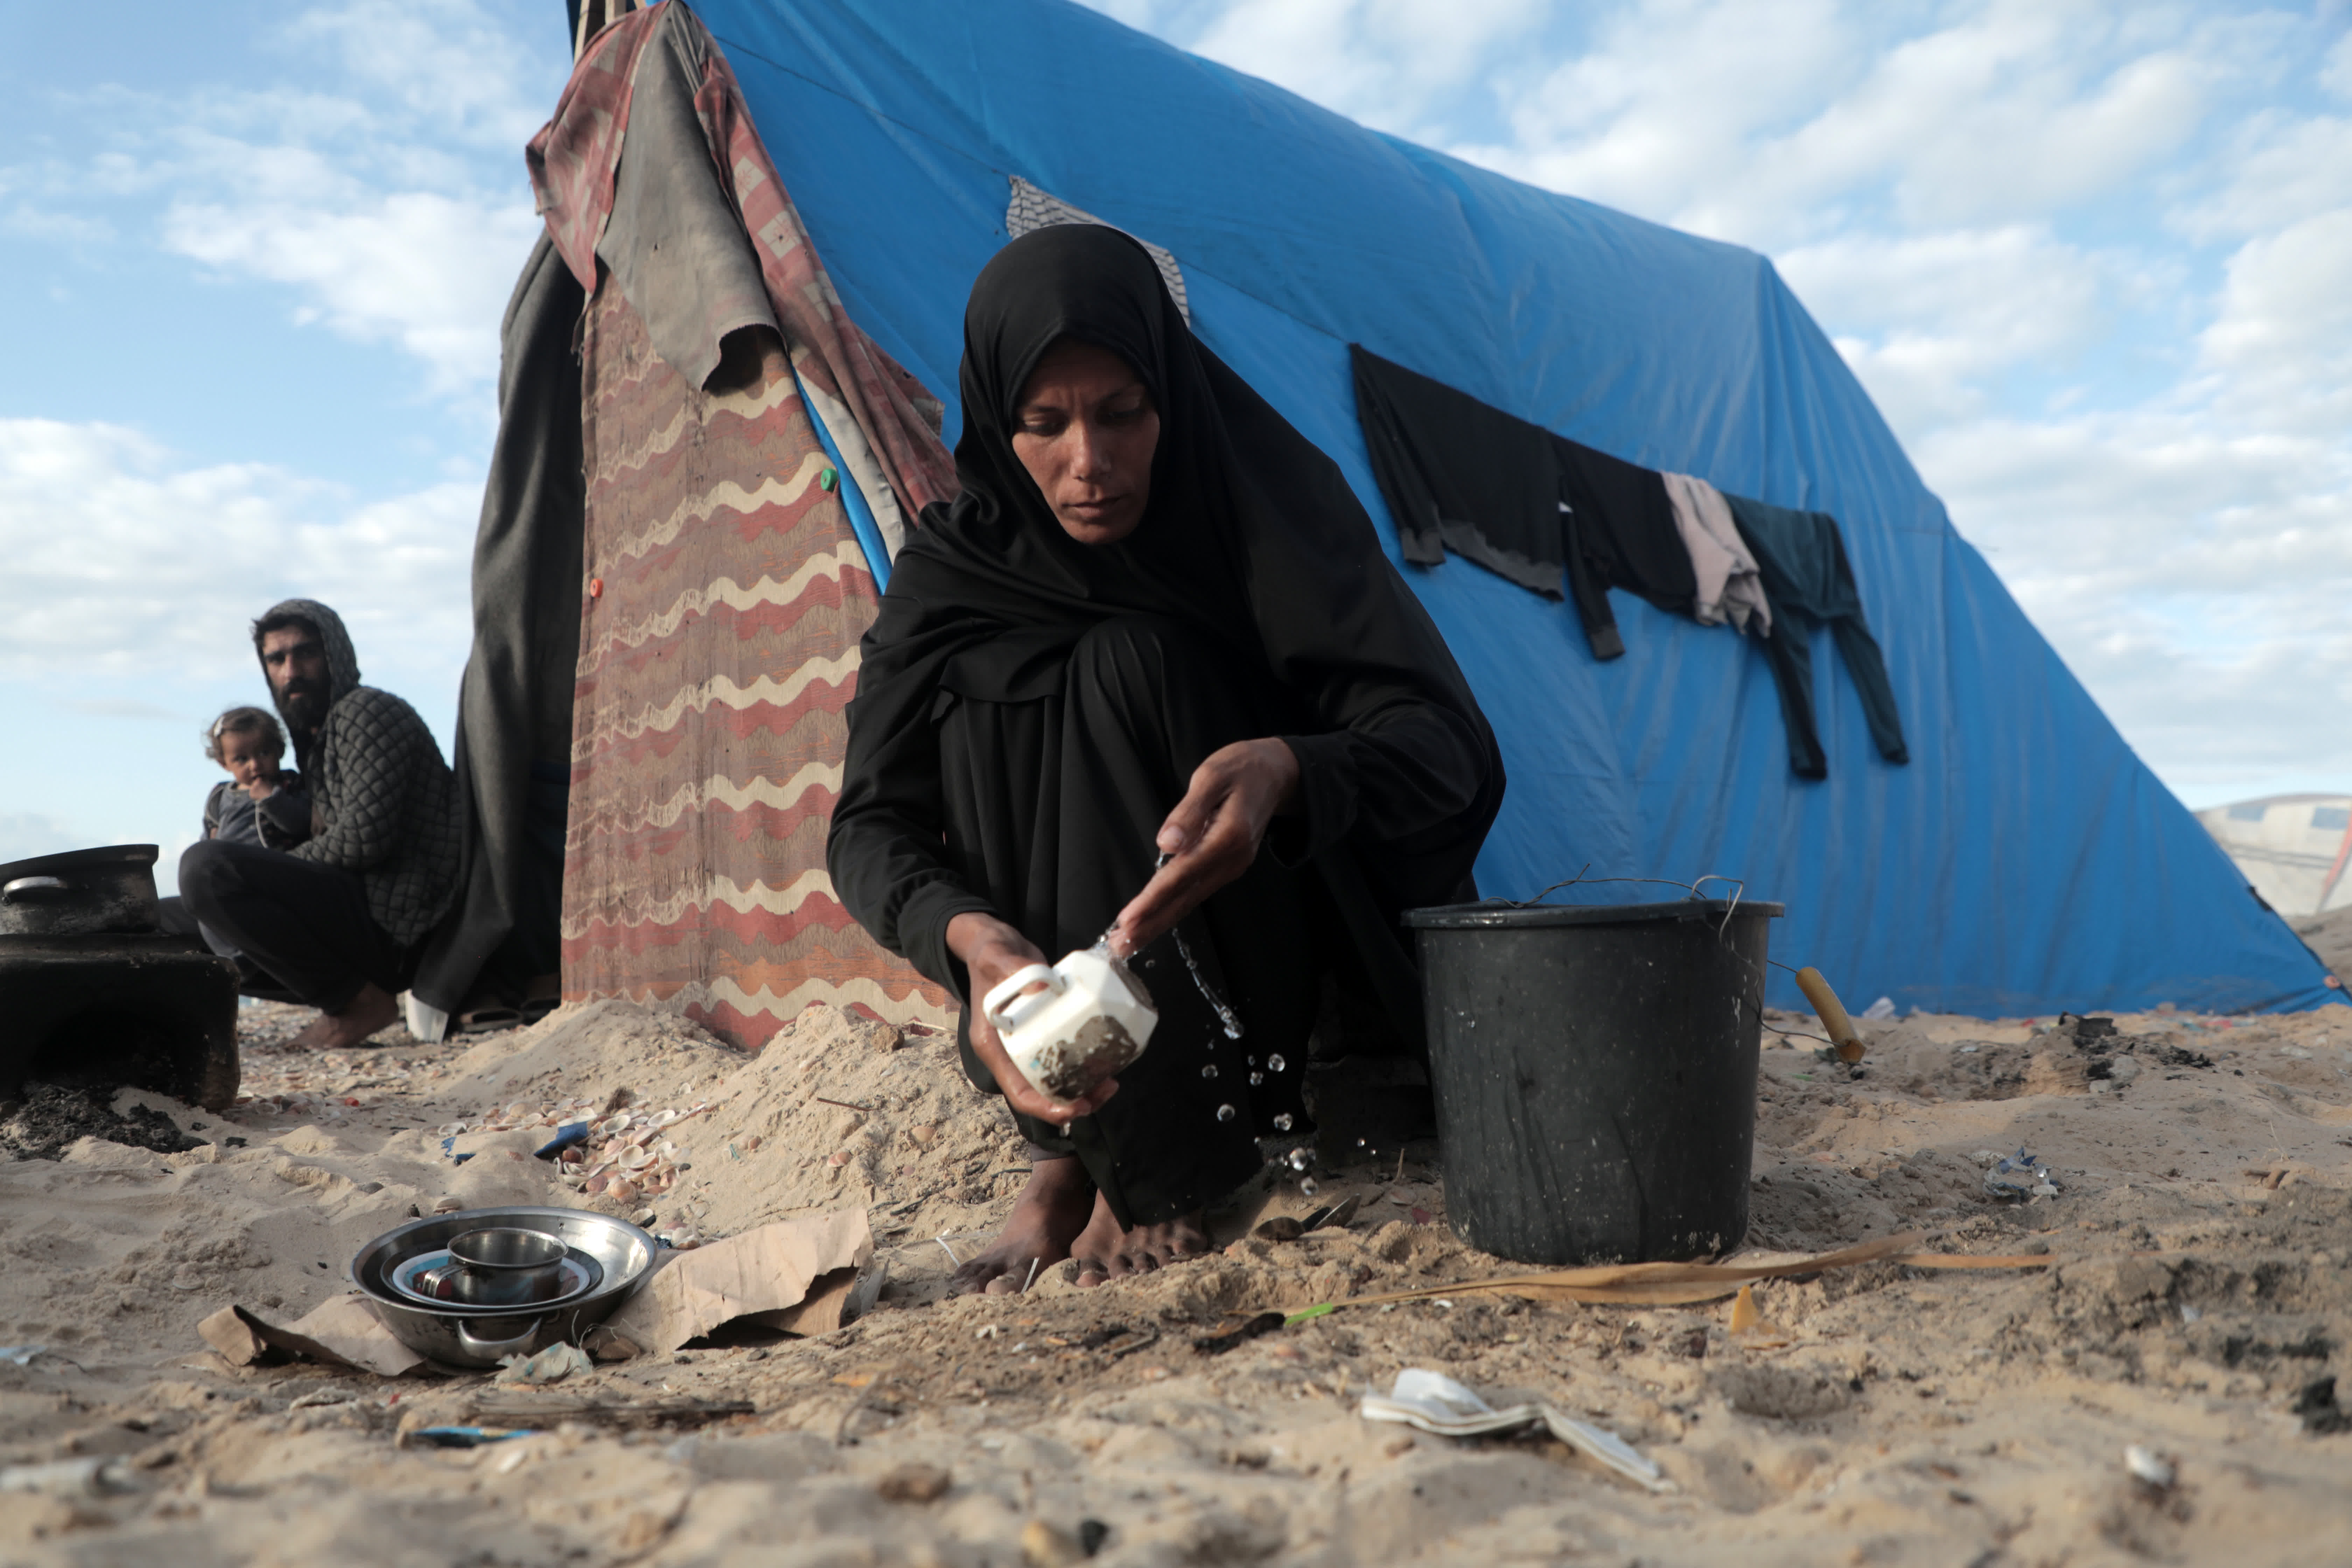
[2091, 259]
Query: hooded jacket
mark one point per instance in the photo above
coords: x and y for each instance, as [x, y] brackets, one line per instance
[385, 806]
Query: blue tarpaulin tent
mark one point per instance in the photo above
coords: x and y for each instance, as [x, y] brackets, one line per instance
[2025, 861]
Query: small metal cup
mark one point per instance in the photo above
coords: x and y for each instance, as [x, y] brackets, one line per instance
[500, 1265]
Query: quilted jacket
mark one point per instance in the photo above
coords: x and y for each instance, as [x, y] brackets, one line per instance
[386, 803]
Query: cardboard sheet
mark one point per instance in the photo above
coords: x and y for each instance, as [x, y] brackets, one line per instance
[341, 1331]
[795, 1275]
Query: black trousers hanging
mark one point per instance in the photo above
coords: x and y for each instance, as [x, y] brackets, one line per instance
[1053, 805]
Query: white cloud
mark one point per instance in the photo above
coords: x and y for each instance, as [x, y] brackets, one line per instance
[2335, 76]
[123, 558]
[2276, 168]
[1381, 60]
[422, 269]
[385, 192]
[450, 64]
[1927, 320]
[2192, 576]
[1773, 124]
[2283, 336]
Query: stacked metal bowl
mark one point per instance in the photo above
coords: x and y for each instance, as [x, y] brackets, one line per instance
[408, 1275]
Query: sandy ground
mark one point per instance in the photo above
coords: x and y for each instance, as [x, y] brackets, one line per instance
[2201, 1275]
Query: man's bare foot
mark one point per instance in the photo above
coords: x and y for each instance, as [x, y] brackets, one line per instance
[1050, 1209]
[362, 1016]
[1103, 1250]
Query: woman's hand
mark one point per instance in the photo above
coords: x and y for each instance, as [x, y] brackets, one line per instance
[993, 953]
[1211, 837]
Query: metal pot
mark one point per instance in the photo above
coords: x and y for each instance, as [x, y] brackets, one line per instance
[81, 892]
[479, 1336]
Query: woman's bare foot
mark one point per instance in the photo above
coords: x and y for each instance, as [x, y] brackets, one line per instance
[362, 1016]
[1050, 1211]
[1105, 1250]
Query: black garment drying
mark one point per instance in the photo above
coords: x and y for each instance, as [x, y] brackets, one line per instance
[1460, 476]
[1801, 558]
[513, 764]
[1621, 534]
[1254, 547]
[1530, 505]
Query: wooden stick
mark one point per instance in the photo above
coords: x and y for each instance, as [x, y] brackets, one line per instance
[1684, 1284]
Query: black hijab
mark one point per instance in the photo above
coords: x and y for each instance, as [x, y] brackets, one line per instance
[1251, 533]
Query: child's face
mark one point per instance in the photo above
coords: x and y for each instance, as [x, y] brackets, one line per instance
[243, 756]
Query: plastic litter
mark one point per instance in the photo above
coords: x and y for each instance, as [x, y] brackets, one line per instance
[68, 1477]
[20, 1355]
[553, 1364]
[566, 1136]
[1433, 1402]
[1883, 1008]
[2150, 1466]
[2020, 1176]
[464, 1436]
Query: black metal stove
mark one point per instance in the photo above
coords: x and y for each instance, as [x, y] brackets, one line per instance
[92, 991]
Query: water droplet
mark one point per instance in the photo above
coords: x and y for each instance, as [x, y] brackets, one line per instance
[1282, 1123]
[1275, 1063]
[1225, 1113]
[1298, 1157]
[1256, 1079]
[1307, 1186]
[1208, 1071]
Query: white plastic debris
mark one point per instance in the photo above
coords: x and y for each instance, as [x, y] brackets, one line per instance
[553, 1364]
[2020, 1175]
[1433, 1402]
[20, 1355]
[1881, 1009]
[2149, 1466]
[68, 1477]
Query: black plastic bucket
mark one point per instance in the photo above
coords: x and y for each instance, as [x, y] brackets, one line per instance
[1595, 1073]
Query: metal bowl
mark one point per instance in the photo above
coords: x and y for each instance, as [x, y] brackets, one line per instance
[479, 1336]
[580, 1274]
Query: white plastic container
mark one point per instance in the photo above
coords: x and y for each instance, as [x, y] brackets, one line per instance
[1092, 1019]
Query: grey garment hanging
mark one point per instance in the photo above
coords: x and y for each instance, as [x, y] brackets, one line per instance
[1729, 588]
[1801, 558]
[674, 242]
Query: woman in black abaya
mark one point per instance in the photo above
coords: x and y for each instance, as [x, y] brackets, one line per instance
[1156, 622]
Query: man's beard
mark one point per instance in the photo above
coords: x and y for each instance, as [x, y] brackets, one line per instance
[304, 703]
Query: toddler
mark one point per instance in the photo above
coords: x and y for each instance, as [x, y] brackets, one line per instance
[259, 803]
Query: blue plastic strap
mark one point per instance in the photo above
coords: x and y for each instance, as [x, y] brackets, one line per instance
[853, 500]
